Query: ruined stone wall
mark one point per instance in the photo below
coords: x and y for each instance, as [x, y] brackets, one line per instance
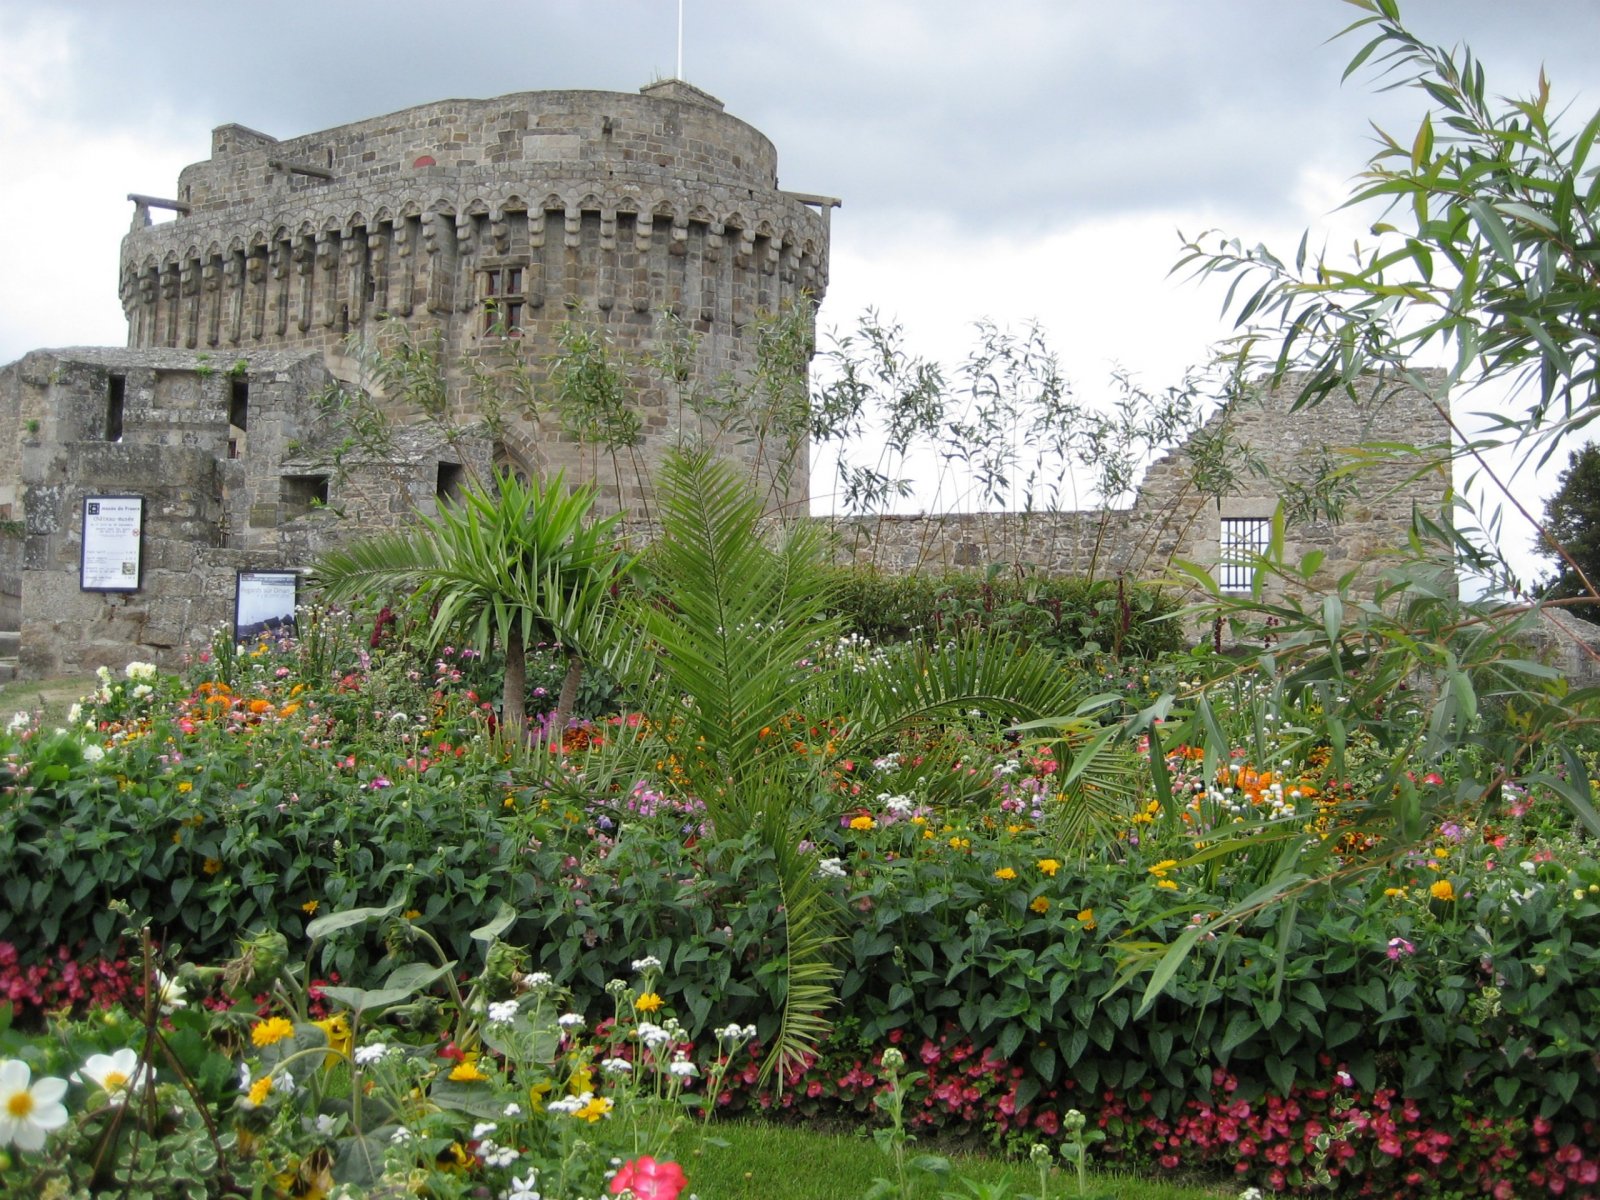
[1174, 517]
[218, 497]
[617, 212]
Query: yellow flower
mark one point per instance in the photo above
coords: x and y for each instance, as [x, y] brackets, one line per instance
[863, 822]
[271, 1031]
[1005, 873]
[648, 1002]
[411, 914]
[960, 843]
[1170, 884]
[1440, 852]
[259, 1090]
[467, 1072]
[337, 1027]
[185, 786]
[919, 820]
[1162, 867]
[1442, 889]
[1049, 866]
[591, 1112]
[310, 906]
[1040, 904]
[1394, 891]
[581, 1081]
[211, 866]
[1086, 919]
[1015, 828]
[536, 1095]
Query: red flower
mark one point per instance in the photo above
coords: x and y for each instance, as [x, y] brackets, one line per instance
[648, 1179]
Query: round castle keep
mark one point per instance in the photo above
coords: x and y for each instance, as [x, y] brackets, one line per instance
[482, 218]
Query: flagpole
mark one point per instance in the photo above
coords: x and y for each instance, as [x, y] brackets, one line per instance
[680, 39]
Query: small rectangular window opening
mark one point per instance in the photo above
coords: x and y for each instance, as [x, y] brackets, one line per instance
[1243, 540]
[447, 482]
[301, 494]
[116, 398]
[239, 403]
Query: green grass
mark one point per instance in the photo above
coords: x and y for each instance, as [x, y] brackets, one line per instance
[775, 1162]
[53, 697]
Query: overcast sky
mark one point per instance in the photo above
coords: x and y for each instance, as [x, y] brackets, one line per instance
[1010, 160]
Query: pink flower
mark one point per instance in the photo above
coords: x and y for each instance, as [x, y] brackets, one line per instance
[1399, 946]
[648, 1179]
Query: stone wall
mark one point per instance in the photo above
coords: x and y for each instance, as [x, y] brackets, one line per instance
[1174, 517]
[218, 497]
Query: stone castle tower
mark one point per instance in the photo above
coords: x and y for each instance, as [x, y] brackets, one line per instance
[490, 226]
[484, 219]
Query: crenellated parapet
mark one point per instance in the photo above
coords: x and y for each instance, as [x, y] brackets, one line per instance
[483, 216]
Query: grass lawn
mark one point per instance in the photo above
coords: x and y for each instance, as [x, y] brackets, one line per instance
[51, 696]
[776, 1162]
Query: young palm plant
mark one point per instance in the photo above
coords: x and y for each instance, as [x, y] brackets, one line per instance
[512, 565]
[728, 632]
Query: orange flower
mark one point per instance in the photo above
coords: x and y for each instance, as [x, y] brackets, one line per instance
[1086, 919]
[1442, 889]
[211, 866]
[260, 706]
[1006, 874]
[1049, 866]
[1040, 905]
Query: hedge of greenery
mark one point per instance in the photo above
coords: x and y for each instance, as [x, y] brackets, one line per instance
[1074, 617]
[1428, 1023]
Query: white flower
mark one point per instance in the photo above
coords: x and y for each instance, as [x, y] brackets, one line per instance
[74, 714]
[325, 1123]
[652, 1035]
[93, 753]
[831, 868]
[570, 1020]
[170, 994]
[569, 1104]
[400, 1136]
[142, 690]
[19, 722]
[682, 1067]
[498, 1156]
[482, 1128]
[103, 674]
[502, 1011]
[616, 1066]
[640, 965]
[116, 1075]
[283, 1082]
[513, 1109]
[27, 1113]
[140, 670]
[367, 1055]
[735, 1033]
[524, 1189]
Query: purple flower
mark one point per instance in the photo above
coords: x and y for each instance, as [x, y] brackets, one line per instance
[1398, 947]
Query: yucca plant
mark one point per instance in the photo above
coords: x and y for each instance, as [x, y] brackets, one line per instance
[512, 565]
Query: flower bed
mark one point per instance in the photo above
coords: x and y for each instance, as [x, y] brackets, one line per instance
[1422, 1022]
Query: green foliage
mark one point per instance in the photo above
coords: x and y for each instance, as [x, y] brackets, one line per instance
[511, 567]
[1571, 533]
[1077, 618]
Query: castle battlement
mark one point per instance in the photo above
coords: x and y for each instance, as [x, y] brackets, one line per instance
[539, 206]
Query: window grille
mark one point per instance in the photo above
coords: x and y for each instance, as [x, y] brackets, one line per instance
[1243, 539]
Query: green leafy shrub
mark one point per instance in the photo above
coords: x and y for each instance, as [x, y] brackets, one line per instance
[1077, 618]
